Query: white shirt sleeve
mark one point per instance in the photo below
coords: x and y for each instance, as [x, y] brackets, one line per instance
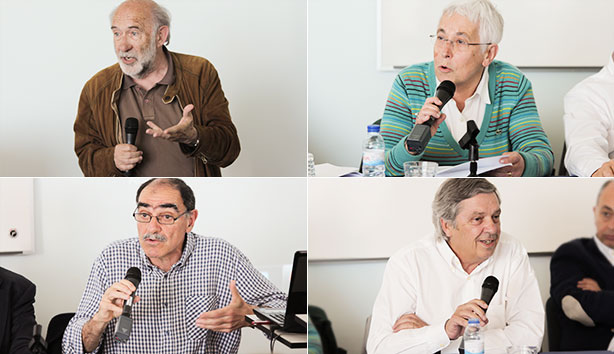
[397, 296]
[524, 311]
[589, 122]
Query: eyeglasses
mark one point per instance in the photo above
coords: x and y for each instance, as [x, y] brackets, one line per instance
[163, 219]
[457, 43]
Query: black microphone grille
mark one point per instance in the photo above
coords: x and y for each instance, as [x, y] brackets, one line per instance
[447, 86]
[132, 126]
[491, 283]
[134, 275]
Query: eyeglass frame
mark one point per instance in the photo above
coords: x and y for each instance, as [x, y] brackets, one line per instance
[434, 36]
[158, 217]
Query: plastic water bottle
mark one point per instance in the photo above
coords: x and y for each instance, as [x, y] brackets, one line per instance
[474, 343]
[373, 153]
[311, 168]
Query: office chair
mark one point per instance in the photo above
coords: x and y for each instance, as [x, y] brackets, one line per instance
[553, 313]
[562, 169]
[55, 332]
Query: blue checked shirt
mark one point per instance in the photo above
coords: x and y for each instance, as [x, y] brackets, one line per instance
[165, 317]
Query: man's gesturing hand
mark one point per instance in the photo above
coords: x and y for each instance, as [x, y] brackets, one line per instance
[182, 132]
[228, 318]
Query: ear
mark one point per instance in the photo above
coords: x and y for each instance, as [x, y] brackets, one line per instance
[162, 35]
[446, 227]
[192, 220]
[490, 54]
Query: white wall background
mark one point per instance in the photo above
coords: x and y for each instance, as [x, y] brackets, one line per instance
[406, 42]
[345, 214]
[347, 92]
[345, 286]
[75, 218]
[51, 48]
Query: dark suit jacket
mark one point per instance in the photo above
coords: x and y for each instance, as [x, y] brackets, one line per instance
[571, 262]
[16, 312]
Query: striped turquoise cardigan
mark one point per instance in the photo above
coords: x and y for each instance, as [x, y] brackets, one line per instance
[511, 122]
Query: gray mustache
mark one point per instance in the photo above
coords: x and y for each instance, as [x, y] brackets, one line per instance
[154, 237]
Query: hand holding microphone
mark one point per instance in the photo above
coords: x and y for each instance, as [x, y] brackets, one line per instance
[475, 308]
[127, 156]
[429, 118]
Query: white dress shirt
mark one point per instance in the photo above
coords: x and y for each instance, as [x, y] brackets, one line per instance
[475, 106]
[608, 253]
[589, 122]
[427, 279]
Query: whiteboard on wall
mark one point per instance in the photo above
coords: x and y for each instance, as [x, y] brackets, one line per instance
[373, 218]
[537, 33]
[16, 215]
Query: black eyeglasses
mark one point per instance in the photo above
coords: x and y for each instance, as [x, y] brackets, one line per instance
[457, 43]
[163, 219]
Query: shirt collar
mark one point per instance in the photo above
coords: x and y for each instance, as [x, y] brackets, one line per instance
[168, 79]
[188, 247]
[605, 250]
[482, 90]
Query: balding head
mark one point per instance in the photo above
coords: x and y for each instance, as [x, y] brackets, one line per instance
[154, 15]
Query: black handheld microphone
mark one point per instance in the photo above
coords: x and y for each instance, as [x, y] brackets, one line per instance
[419, 137]
[123, 328]
[489, 289]
[131, 128]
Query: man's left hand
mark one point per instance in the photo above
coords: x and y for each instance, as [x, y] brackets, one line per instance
[182, 132]
[589, 285]
[229, 318]
[408, 321]
[515, 170]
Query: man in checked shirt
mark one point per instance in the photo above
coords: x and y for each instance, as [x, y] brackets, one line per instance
[194, 293]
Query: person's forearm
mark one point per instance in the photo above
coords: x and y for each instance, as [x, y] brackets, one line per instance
[91, 334]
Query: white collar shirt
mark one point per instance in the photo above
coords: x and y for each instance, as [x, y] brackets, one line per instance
[589, 122]
[475, 106]
[607, 252]
[427, 279]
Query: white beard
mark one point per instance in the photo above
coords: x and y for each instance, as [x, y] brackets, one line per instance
[143, 64]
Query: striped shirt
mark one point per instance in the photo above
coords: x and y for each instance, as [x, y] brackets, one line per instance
[511, 121]
[164, 318]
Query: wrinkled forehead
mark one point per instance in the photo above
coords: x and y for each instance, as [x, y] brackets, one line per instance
[483, 203]
[160, 196]
[457, 25]
[133, 14]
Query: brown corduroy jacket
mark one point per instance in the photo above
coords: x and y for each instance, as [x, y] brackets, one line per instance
[97, 127]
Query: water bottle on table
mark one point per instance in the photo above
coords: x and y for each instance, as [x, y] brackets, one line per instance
[373, 153]
[474, 343]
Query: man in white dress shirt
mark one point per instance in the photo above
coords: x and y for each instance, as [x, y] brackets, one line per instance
[432, 288]
[589, 125]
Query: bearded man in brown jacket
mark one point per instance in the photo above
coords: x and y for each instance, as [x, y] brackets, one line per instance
[184, 123]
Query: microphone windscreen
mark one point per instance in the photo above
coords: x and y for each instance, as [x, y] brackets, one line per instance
[445, 91]
[132, 126]
[134, 276]
[489, 288]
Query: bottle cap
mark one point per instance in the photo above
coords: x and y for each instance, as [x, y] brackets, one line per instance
[373, 128]
[474, 321]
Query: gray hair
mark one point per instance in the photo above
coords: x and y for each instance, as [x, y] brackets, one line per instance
[483, 13]
[161, 17]
[601, 190]
[451, 193]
